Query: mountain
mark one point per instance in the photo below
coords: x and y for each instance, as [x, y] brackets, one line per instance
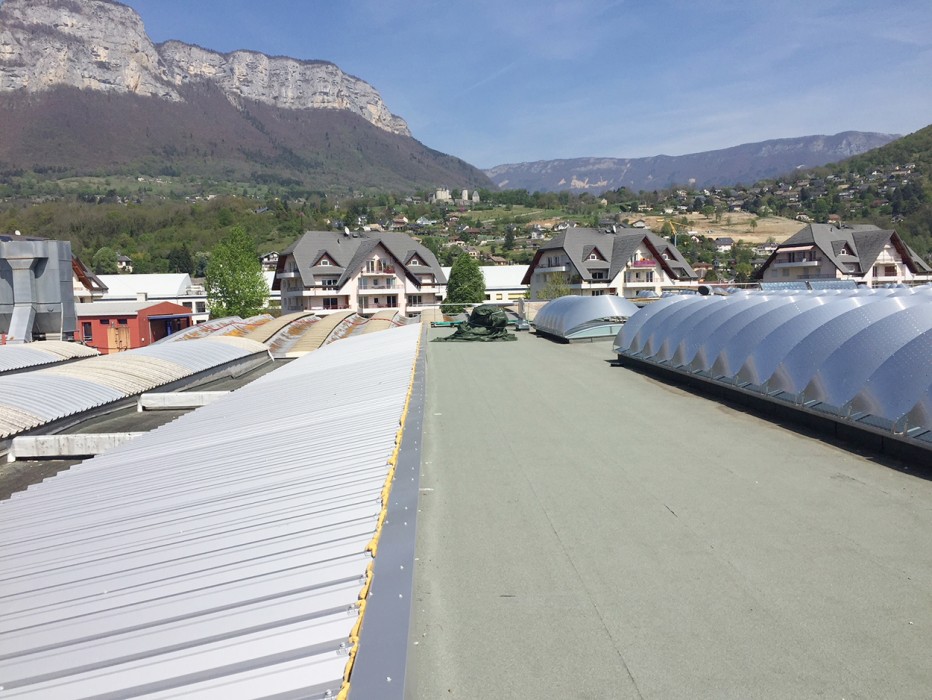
[738, 165]
[84, 90]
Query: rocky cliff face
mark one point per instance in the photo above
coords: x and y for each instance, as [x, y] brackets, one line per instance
[102, 45]
[279, 81]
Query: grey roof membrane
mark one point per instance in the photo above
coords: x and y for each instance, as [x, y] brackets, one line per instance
[223, 554]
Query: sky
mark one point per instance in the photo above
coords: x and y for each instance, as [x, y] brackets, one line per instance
[509, 81]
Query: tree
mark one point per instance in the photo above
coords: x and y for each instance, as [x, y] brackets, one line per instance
[466, 285]
[235, 283]
[509, 239]
[180, 260]
[556, 287]
[104, 261]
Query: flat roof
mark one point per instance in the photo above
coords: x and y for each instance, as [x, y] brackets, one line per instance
[589, 531]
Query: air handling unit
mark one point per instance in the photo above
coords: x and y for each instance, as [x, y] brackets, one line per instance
[36, 289]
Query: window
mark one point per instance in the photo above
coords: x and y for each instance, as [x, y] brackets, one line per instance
[104, 321]
[414, 261]
[186, 304]
[650, 275]
[331, 303]
[87, 330]
[598, 275]
[328, 283]
[391, 300]
[122, 321]
[593, 256]
[324, 262]
[202, 307]
[415, 299]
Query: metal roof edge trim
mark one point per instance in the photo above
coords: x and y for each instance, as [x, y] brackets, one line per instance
[381, 667]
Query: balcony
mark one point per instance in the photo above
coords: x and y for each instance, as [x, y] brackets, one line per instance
[385, 270]
[644, 262]
[292, 274]
[376, 288]
[552, 268]
[372, 308]
[785, 264]
[320, 291]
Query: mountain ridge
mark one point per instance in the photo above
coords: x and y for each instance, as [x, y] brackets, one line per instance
[103, 45]
[86, 91]
[736, 165]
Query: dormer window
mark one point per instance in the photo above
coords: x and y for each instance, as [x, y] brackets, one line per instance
[324, 262]
[593, 256]
[415, 261]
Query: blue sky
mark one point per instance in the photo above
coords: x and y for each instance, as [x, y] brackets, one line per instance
[520, 80]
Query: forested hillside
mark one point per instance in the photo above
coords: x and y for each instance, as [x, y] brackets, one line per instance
[910, 210]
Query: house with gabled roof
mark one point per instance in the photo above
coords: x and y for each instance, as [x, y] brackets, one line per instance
[592, 262]
[864, 253]
[328, 271]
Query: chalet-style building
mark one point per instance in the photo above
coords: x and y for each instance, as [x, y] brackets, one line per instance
[326, 271]
[864, 253]
[592, 263]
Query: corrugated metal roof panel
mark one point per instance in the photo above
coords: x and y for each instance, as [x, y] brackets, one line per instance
[318, 333]
[50, 395]
[125, 372]
[202, 354]
[40, 353]
[222, 553]
[65, 390]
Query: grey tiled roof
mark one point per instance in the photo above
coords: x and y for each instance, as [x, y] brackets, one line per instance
[350, 253]
[618, 248]
[862, 243]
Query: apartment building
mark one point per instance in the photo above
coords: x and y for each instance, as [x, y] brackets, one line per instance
[591, 262]
[327, 271]
[864, 253]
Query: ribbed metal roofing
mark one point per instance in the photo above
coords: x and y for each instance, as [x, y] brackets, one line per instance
[576, 316]
[222, 555]
[861, 355]
[382, 321]
[44, 352]
[215, 326]
[319, 333]
[44, 395]
[265, 332]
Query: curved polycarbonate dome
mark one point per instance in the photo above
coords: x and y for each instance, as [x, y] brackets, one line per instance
[574, 316]
[630, 332]
[801, 363]
[861, 355]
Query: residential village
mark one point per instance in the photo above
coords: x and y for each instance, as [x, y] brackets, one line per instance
[397, 257]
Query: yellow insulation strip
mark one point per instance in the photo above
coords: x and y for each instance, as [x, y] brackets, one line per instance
[373, 545]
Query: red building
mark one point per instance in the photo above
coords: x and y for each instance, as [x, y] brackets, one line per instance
[114, 326]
